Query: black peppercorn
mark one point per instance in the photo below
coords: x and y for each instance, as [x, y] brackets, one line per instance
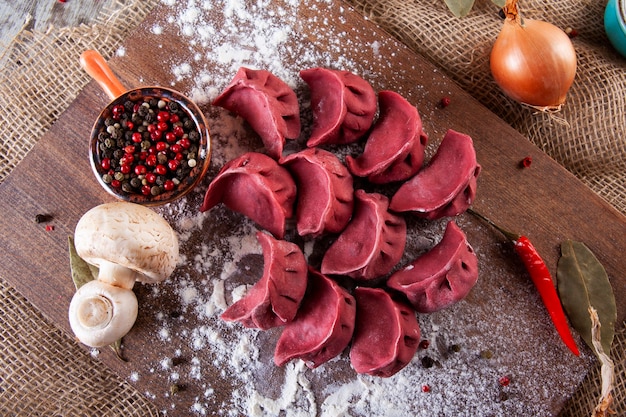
[43, 218]
[115, 133]
[106, 153]
[454, 348]
[135, 182]
[177, 360]
[427, 362]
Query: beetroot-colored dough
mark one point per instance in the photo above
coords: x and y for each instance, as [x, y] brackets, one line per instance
[386, 333]
[275, 298]
[323, 326]
[447, 186]
[343, 106]
[442, 276]
[267, 103]
[394, 150]
[372, 243]
[257, 187]
[319, 318]
[325, 191]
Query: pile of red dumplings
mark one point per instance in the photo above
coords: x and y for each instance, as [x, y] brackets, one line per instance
[320, 318]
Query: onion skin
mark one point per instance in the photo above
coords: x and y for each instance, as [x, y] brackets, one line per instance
[533, 62]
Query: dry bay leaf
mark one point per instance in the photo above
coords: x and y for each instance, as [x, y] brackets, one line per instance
[460, 8]
[82, 272]
[583, 283]
[117, 348]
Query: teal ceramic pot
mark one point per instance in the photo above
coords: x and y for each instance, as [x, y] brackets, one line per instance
[615, 24]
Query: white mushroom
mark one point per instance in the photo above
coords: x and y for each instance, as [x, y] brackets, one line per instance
[101, 314]
[127, 242]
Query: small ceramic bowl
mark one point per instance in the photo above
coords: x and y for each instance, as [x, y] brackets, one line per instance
[615, 24]
[149, 145]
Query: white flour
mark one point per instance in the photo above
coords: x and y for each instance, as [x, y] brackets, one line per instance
[225, 357]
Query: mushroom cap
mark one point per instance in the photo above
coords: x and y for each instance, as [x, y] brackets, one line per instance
[129, 235]
[101, 314]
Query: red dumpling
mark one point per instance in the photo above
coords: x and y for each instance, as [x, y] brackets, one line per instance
[460, 203]
[267, 103]
[257, 187]
[343, 106]
[442, 276]
[447, 186]
[386, 333]
[325, 192]
[323, 326]
[372, 243]
[394, 150]
[275, 298]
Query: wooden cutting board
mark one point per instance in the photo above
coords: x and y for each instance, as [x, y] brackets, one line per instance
[177, 344]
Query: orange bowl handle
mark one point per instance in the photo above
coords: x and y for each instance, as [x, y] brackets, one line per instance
[94, 64]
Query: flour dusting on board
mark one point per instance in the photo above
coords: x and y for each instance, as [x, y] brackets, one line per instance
[467, 348]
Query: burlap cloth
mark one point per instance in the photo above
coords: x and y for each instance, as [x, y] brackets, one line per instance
[43, 372]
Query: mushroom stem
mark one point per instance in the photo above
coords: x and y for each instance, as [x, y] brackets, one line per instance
[116, 275]
[95, 312]
[101, 314]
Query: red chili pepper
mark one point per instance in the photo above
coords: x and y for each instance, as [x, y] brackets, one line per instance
[541, 277]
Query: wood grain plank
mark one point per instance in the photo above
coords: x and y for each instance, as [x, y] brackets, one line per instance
[545, 201]
[41, 15]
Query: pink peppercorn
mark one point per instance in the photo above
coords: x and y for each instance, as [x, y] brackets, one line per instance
[525, 163]
[504, 381]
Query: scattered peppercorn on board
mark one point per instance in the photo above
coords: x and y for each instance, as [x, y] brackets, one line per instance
[188, 361]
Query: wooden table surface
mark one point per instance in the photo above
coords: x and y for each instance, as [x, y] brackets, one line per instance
[40, 15]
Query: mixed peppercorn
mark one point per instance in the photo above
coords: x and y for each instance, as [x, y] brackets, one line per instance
[147, 146]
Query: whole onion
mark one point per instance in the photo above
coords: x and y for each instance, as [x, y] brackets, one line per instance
[533, 62]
